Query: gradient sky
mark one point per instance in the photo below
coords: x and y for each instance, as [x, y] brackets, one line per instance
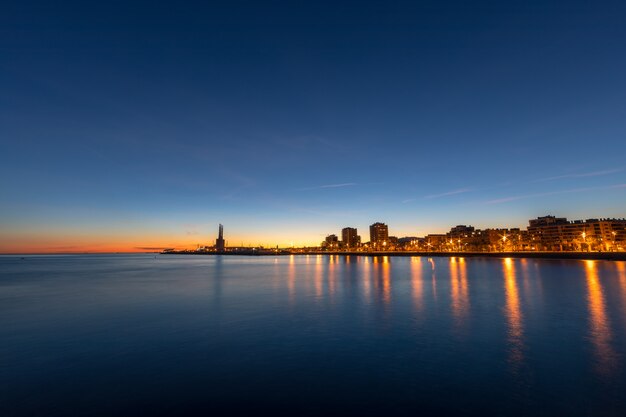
[129, 125]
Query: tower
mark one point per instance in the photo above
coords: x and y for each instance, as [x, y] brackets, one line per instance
[219, 242]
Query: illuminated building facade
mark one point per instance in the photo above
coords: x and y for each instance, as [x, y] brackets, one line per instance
[350, 238]
[558, 234]
[379, 234]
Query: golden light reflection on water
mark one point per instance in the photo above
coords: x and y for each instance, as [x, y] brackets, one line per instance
[367, 272]
[433, 278]
[417, 282]
[291, 278]
[459, 289]
[333, 260]
[525, 274]
[599, 325]
[454, 289]
[513, 314]
[464, 289]
[621, 273]
[382, 268]
[319, 276]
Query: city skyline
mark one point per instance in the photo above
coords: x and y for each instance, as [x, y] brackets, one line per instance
[376, 237]
[134, 126]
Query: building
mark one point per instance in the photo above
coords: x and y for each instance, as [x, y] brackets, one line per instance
[219, 242]
[461, 231]
[547, 221]
[558, 234]
[350, 238]
[379, 235]
[409, 242]
[461, 238]
[331, 242]
[435, 242]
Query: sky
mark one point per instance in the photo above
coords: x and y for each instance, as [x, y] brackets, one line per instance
[130, 126]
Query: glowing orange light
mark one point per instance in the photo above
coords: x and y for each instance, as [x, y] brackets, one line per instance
[600, 327]
[417, 282]
[513, 313]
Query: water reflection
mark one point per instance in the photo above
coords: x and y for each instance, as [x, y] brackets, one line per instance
[417, 282]
[464, 290]
[367, 269]
[382, 280]
[515, 334]
[454, 288]
[433, 277]
[291, 278]
[217, 325]
[319, 275]
[599, 325]
[458, 289]
[525, 276]
[333, 261]
[386, 279]
[621, 273]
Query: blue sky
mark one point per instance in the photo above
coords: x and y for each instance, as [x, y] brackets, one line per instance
[128, 124]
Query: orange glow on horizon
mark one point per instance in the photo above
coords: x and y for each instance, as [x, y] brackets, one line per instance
[54, 240]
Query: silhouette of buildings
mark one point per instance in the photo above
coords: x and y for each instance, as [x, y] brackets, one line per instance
[547, 233]
[331, 242]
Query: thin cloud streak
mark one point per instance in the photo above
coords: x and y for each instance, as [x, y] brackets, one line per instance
[583, 175]
[453, 192]
[321, 187]
[574, 190]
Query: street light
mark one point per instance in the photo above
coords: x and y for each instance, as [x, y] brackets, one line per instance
[613, 246]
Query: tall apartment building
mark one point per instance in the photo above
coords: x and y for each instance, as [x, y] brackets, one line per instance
[350, 238]
[379, 233]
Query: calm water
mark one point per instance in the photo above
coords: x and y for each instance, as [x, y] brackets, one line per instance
[316, 335]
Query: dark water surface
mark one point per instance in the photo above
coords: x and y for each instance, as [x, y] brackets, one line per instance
[130, 335]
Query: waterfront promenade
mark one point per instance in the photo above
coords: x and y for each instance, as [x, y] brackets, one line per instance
[608, 256]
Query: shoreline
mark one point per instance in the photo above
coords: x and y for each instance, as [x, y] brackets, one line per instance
[593, 256]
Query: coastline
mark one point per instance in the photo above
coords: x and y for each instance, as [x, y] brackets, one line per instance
[593, 256]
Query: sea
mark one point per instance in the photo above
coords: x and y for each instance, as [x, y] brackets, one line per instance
[311, 335]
